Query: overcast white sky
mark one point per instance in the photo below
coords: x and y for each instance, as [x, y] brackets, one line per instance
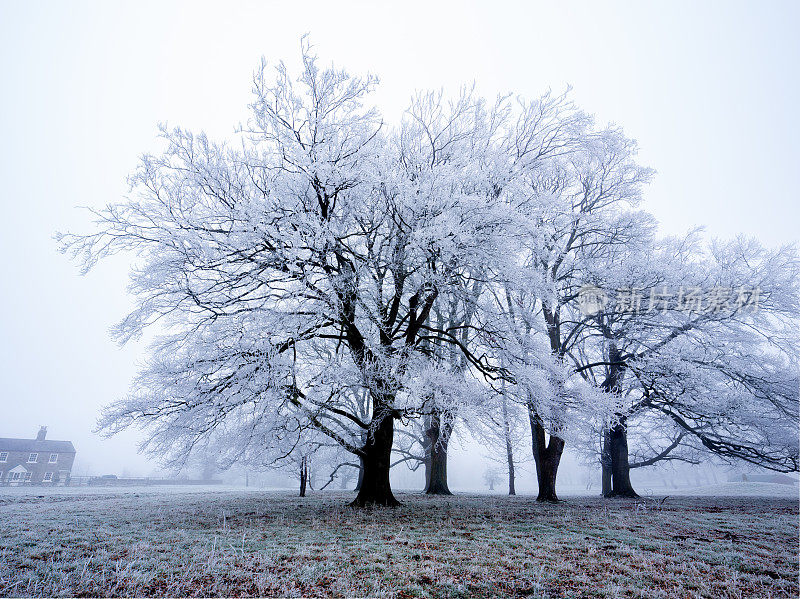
[710, 91]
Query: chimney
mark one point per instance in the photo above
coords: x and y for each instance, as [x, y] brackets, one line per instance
[42, 433]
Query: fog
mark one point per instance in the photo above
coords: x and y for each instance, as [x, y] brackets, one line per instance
[709, 92]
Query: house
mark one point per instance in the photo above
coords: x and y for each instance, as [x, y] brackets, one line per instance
[35, 461]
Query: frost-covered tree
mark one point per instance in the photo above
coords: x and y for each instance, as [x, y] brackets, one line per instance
[501, 427]
[710, 347]
[326, 275]
[298, 266]
[441, 405]
[575, 207]
[492, 476]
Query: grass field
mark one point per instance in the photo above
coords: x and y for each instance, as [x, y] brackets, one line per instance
[245, 542]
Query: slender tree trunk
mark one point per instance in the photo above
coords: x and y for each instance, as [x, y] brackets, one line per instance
[375, 487]
[511, 489]
[547, 456]
[620, 467]
[509, 449]
[438, 435]
[303, 477]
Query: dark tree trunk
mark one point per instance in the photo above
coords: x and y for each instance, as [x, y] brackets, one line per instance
[375, 488]
[605, 463]
[606, 480]
[617, 437]
[509, 449]
[427, 468]
[438, 437]
[364, 439]
[547, 456]
[511, 489]
[360, 474]
[303, 476]
[620, 467]
[427, 453]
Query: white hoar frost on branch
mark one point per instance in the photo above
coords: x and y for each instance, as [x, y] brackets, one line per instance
[327, 275]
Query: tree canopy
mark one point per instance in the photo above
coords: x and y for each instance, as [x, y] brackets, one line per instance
[325, 274]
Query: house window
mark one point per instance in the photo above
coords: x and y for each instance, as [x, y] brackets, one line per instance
[28, 476]
[15, 476]
[53, 458]
[3, 456]
[32, 458]
[48, 476]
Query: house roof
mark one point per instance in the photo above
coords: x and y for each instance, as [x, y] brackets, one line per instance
[34, 445]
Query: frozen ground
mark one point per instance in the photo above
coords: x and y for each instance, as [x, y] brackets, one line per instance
[648, 491]
[217, 541]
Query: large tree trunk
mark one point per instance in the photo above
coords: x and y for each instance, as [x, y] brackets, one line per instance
[617, 439]
[509, 449]
[438, 437]
[606, 480]
[427, 468]
[375, 488]
[360, 474]
[364, 438]
[605, 463]
[547, 456]
[620, 467]
[427, 452]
